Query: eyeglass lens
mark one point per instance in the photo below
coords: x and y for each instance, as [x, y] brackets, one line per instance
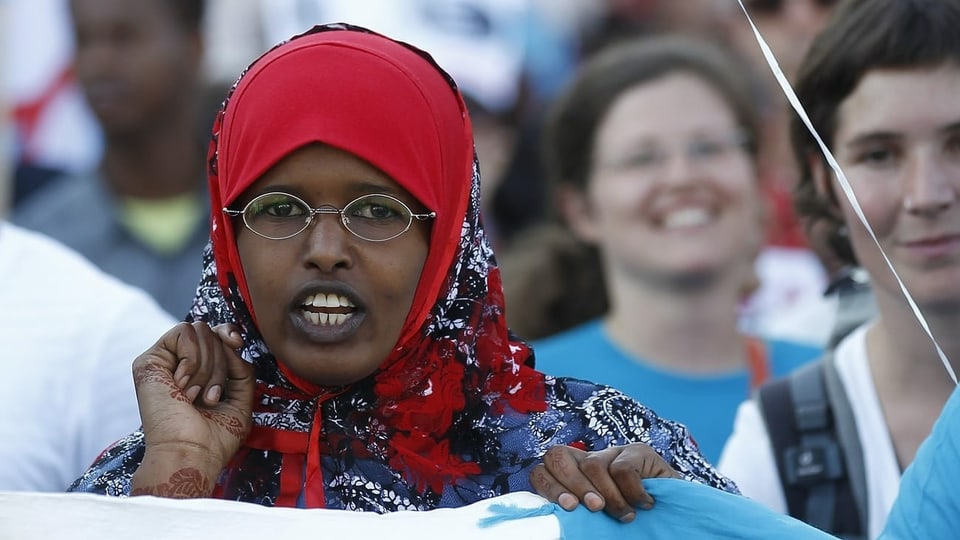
[371, 217]
[702, 149]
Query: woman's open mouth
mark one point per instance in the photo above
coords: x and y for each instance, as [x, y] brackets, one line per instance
[328, 309]
[325, 317]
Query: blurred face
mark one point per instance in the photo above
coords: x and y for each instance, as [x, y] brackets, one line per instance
[134, 61]
[330, 305]
[898, 143]
[672, 194]
[788, 26]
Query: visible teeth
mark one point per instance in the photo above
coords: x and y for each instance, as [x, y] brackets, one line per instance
[686, 217]
[327, 301]
[327, 319]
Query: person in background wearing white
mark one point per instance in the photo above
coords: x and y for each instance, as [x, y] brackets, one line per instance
[880, 85]
[70, 335]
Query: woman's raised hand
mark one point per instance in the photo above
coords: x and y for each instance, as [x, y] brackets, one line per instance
[608, 480]
[196, 396]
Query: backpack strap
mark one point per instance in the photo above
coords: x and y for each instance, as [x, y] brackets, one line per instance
[845, 427]
[810, 461]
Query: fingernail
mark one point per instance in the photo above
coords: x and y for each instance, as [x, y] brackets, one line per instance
[183, 381]
[235, 335]
[213, 393]
[192, 393]
[647, 504]
[593, 501]
[567, 501]
[628, 517]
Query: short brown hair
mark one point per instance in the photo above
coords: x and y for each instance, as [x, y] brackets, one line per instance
[862, 36]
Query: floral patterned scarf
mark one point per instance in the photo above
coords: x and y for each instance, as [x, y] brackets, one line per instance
[454, 414]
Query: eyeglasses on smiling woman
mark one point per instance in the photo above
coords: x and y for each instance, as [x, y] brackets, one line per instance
[703, 150]
[375, 217]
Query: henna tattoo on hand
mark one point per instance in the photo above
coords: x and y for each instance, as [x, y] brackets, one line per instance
[152, 374]
[186, 483]
[231, 423]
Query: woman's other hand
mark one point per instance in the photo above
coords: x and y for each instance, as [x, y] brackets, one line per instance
[608, 480]
[196, 397]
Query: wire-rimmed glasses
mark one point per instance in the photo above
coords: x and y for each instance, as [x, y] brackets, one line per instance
[375, 217]
[703, 149]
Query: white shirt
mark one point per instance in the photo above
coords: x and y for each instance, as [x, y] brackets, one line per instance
[69, 335]
[748, 457]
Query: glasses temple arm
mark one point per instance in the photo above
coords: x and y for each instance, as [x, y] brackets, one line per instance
[422, 217]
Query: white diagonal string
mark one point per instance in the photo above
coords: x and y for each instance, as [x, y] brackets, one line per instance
[847, 189]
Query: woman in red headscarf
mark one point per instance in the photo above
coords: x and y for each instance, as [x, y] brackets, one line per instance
[349, 268]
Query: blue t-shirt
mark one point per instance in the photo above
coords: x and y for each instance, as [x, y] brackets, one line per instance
[706, 404]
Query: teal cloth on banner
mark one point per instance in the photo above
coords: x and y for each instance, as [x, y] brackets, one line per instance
[928, 505]
[686, 509]
[683, 509]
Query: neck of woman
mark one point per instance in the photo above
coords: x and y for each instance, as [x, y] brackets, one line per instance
[903, 359]
[911, 382]
[684, 329]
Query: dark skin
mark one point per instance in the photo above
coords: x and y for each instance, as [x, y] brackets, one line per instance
[608, 480]
[195, 375]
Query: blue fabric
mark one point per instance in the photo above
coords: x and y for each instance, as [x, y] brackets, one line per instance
[503, 512]
[707, 405]
[682, 510]
[928, 505]
[689, 510]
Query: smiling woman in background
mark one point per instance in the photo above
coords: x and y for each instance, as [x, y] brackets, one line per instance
[651, 151]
